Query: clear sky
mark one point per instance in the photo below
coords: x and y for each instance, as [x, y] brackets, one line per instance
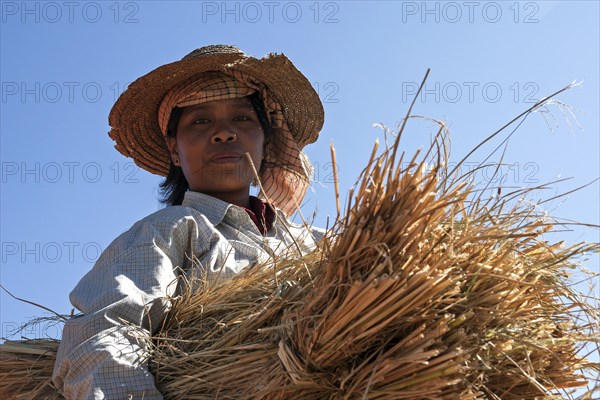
[67, 193]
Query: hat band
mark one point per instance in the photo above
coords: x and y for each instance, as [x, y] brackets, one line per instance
[209, 86]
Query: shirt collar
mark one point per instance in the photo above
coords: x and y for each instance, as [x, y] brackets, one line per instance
[261, 213]
[213, 208]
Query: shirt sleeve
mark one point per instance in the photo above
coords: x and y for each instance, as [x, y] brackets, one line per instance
[124, 298]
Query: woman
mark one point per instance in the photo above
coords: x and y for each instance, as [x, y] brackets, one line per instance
[210, 123]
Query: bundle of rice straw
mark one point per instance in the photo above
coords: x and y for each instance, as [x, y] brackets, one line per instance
[26, 369]
[425, 289]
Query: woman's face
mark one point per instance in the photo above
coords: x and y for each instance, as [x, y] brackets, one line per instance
[210, 144]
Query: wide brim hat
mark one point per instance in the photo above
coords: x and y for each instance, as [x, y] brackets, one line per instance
[134, 117]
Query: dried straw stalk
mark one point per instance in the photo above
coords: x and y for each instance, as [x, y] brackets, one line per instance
[425, 289]
[26, 368]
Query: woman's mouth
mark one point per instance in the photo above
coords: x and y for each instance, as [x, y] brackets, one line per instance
[226, 159]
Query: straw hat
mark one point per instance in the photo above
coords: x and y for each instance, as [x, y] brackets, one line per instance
[134, 117]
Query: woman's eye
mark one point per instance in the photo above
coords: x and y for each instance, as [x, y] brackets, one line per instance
[199, 121]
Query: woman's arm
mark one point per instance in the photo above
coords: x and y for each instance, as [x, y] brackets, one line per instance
[123, 298]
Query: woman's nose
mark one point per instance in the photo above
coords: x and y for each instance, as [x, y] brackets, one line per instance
[223, 133]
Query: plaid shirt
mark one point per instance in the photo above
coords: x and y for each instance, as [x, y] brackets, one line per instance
[126, 291]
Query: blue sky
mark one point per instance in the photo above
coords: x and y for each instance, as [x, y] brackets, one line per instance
[67, 193]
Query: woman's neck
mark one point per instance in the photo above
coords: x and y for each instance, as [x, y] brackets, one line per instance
[239, 198]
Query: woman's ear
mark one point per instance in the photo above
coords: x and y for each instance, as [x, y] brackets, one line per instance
[172, 145]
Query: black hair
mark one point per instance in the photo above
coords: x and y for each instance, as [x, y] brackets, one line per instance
[173, 188]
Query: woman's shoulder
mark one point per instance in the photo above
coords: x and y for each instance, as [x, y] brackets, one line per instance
[162, 225]
[168, 214]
